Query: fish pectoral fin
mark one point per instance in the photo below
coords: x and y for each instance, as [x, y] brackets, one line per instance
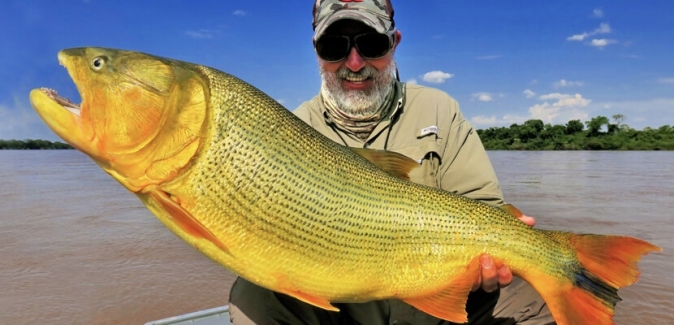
[184, 219]
[309, 299]
[393, 163]
[450, 302]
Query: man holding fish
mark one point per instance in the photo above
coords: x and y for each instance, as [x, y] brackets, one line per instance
[247, 183]
[363, 104]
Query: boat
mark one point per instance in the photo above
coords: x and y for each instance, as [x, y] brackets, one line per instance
[213, 316]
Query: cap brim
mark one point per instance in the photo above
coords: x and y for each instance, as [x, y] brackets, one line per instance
[378, 23]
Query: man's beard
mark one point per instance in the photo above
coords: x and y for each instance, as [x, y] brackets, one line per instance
[359, 102]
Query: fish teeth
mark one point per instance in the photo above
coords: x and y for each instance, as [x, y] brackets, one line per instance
[64, 102]
[50, 92]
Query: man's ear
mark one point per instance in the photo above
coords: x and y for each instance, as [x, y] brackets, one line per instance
[398, 36]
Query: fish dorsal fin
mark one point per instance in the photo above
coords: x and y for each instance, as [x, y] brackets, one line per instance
[512, 210]
[184, 219]
[393, 163]
[450, 302]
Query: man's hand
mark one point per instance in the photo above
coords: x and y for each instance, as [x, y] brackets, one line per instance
[492, 277]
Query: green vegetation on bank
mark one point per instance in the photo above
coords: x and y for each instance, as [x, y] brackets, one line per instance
[32, 144]
[597, 134]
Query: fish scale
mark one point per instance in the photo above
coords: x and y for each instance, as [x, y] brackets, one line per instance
[375, 232]
[241, 179]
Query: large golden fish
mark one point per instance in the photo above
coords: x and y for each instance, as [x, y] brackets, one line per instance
[237, 176]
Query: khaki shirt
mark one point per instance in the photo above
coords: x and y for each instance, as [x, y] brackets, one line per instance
[427, 126]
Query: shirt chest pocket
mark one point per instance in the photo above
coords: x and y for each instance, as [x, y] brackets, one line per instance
[427, 153]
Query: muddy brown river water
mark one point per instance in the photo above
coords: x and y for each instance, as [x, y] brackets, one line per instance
[77, 248]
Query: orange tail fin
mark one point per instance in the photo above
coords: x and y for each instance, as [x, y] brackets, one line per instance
[589, 294]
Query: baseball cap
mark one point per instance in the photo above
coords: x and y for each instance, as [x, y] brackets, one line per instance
[377, 14]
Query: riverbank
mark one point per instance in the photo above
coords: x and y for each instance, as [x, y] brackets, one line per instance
[599, 135]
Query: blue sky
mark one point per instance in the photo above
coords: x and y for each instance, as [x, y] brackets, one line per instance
[504, 61]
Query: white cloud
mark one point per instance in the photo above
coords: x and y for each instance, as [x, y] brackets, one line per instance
[572, 101]
[556, 114]
[654, 112]
[598, 13]
[566, 99]
[544, 112]
[483, 97]
[239, 13]
[554, 96]
[487, 121]
[603, 28]
[484, 120]
[600, 43]
[436, 77]
[578, 37]
[488, 57]
[200, 34]
[565, 83]
[529, 94]
[666, 80]
[412, 81]
[564, 107]
[20, 122]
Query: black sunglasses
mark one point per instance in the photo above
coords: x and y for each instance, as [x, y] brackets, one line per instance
[333, 48]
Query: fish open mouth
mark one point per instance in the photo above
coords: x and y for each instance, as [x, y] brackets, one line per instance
[66, 103]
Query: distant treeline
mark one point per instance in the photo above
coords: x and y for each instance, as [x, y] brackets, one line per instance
[596, 134]
[32, 144]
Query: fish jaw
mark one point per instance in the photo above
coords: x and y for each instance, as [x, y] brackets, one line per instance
[65, 122]
[72, 122]
[141, 116]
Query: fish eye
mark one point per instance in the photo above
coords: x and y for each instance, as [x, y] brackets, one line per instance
[97, 63]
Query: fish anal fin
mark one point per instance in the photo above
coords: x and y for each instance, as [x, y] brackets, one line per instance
[184, 219]
[393, 163]
[290, 290]
[450, 302]
[312, 300]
